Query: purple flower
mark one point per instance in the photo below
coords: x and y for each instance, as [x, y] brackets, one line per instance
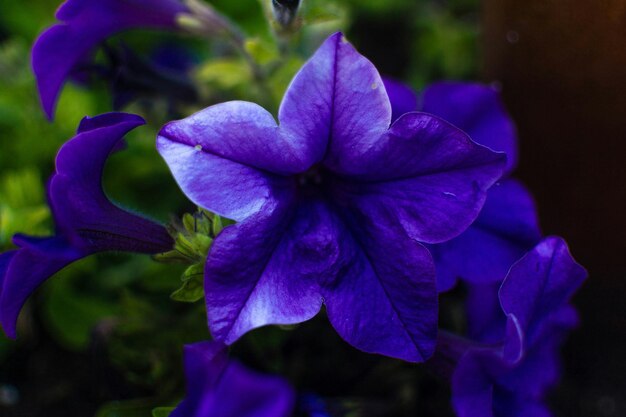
[402, 98]
[61, 49]
[331, 205]
[217, 386]
[510, 379]
[508, 225]
[86, 221]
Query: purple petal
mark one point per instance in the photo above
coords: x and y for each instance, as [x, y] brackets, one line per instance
[541, 367]
[30, 266]
[205, 363]
[266, 269]
[246, 134]
[402, 98]
[337, 101]
[5, 260]
[219, 387]
[506, 229]
[386, 301]
[426, 174]
[82, 211]
[485, 320]
[477, 389]
[472, 385]
[476, 109]
[219, 158]
[85, 24]
[539, 286]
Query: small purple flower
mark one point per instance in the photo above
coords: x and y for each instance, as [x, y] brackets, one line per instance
[508, 225]
[510, 379]
[332, 203]
[61, 49]
[217, 386]
[86, 221]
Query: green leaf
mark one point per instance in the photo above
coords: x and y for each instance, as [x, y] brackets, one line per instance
[192, 289]
[162, 411]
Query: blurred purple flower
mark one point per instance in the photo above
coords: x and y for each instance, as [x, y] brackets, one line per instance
[510, 378]
[331, 205]
[61, 49]
[86, 221]
[217, 386]
[507, 226]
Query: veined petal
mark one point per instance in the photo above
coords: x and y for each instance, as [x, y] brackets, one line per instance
[243, 133]
[83, 213]
[539, 285]
[476, 109]
[228, 187]
[386, 301]
[266, 269]
[217, 386]
[86, 23]
[505, 230]
[402, 98]
[425, 173]
[29, 267]
[336, 102]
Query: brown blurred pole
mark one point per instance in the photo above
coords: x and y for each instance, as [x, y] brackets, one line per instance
[562, 66]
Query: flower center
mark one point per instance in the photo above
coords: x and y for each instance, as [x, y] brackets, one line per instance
[311, 178]
[314, 182]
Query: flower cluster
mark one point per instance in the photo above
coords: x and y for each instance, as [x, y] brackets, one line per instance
[361, 197]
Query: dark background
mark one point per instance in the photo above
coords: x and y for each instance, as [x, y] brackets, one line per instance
[562, 65]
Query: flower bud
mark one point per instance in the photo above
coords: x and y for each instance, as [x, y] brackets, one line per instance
[285, 11]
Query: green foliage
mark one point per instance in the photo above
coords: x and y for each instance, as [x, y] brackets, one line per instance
[22, 205]
[192, 289]
[162, 411]
[72, 315]
[130, 408]
[446, 45]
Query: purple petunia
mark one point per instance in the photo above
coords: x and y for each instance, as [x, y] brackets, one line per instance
[332, 203]
[510, 378]
[218, 386]
[86, 221]
[61, 49]
[507, 226]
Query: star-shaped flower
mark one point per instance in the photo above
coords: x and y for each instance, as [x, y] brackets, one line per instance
[510, 378]
[332, 203]
[221, 387]
[85, 24]
[86, 221]
[508, 226]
